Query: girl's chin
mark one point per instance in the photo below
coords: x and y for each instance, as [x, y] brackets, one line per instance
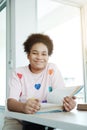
[40, 67]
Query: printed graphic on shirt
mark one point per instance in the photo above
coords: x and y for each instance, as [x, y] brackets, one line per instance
[20, 94]
[37, 86]
[19, 75]
[50, 89]
[44, 101]
[50, 71]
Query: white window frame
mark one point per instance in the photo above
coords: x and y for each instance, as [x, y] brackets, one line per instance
[84, 43]
[2, 6]
[10, 39]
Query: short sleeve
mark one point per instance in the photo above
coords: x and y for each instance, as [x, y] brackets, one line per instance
[14, 86]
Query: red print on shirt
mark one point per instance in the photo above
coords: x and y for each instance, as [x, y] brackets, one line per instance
[19, 75]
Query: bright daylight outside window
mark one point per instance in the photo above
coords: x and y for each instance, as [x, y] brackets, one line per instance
[62, 23]
[68, 52]
[2, 57]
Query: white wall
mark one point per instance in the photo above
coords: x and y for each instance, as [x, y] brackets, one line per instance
[25, 24]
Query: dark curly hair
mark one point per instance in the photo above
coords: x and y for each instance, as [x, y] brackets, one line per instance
[36, 38]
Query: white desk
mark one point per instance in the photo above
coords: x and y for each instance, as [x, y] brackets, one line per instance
[74, 120]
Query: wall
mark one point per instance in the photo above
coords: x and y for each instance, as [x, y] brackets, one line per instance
[25, 24]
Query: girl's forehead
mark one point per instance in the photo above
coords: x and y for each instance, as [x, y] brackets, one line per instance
[39, 46]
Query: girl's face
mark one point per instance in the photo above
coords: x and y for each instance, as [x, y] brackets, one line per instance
[38, 57]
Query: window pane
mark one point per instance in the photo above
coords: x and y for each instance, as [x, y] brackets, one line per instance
[68, 50]
[63, 24]
[2, 57]
[68, 53]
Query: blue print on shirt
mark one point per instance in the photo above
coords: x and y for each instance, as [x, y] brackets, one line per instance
[37, 86]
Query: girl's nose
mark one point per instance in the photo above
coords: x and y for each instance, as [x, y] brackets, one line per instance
[39, 56]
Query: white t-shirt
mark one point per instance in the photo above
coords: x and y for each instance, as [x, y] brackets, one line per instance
[24, 84]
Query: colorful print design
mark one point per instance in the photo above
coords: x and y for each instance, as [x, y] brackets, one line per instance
[37, 86]
[44, 101]
[50, 71]
[20, 94]
[50, 89]
[19, 75]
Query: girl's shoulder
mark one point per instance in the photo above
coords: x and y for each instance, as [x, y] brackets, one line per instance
[52, 66]
[22, 69]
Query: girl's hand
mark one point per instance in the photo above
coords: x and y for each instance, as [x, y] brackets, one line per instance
[69, 103]
[31, 106]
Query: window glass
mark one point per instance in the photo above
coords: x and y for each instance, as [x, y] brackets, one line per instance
[63, 24]
[2, 57]
[68, 51]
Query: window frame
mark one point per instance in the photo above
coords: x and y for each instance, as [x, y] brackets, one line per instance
[2, 6]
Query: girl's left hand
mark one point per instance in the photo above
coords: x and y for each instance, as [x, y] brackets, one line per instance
[69, 103]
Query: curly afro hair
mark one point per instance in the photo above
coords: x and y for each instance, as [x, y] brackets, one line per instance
[36, 38]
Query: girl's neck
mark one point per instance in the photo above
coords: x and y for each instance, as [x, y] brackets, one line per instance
[35, 71]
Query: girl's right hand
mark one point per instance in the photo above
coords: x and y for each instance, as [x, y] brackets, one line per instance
[31, 106]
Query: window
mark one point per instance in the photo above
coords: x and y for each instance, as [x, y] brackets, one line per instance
[2, 57]
[65, 30]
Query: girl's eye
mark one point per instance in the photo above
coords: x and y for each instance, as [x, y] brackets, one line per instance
[34, 53]
[44, 54]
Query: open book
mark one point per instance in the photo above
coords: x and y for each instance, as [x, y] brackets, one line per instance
[50, 107]
[55, 98]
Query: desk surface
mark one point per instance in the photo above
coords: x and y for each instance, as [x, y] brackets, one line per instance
[74, 120]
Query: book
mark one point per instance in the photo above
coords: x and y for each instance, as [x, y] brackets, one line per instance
[50, 107]
[57, 95]
[82, 106]
[55, 98]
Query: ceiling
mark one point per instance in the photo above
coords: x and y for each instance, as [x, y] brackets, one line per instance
[45, 7]
[73, 2]
[78, 3]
